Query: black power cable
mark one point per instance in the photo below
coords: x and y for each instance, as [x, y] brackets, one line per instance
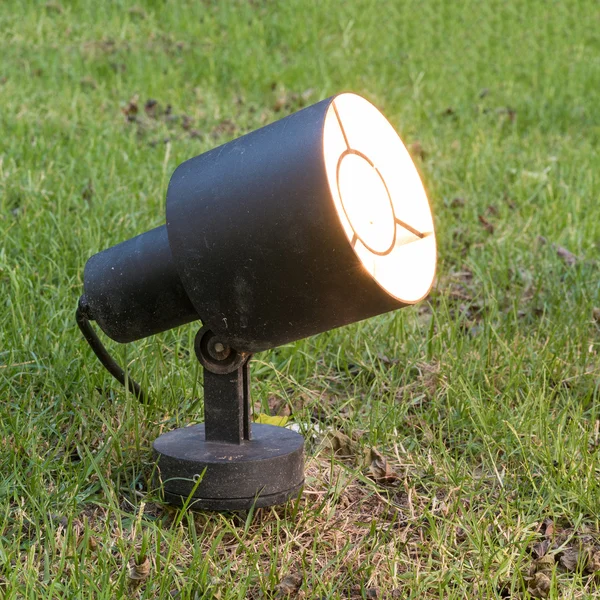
[83, 318]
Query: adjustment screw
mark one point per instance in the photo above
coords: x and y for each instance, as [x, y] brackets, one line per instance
[218, 350]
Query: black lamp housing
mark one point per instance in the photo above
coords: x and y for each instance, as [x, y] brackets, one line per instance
[302, 226]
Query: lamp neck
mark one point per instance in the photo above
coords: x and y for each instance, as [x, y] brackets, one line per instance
[227, 405]
[226, 389]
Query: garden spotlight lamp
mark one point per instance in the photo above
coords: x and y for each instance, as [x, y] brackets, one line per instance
[310, 223]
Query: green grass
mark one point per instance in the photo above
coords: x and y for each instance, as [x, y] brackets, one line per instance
[485, 399]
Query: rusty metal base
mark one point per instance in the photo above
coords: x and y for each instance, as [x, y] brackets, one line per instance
[264, 471]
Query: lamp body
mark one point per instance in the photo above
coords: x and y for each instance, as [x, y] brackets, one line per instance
[313, 222]
[255, 248]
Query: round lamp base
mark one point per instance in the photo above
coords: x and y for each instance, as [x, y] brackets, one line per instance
[208, 475]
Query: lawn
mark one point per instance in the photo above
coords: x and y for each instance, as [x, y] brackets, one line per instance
[483, 401]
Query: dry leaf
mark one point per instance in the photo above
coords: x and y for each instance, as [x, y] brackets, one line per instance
[593, 563]
[151, 107]
[224, 128]
[509, 201]
[573, 550]
[570, 559]
[539, 587]
[386, 360]
[138, 573]
[541, 548]
[289, 585]
[280, 102]
[545, 564]
[131, 109]
[342, 445]
[186, 122]
[565, 255]
[278, 406]
[461, 535]
[87, 194]
[568, 257]
[380, 469]
[510, 113]
[486, 224]
[60, 521]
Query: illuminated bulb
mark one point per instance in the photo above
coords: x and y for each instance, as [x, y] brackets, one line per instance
[366, 203]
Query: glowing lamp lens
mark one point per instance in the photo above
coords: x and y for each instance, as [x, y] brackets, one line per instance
[379, 198]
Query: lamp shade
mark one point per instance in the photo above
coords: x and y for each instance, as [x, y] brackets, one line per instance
[310, 223]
